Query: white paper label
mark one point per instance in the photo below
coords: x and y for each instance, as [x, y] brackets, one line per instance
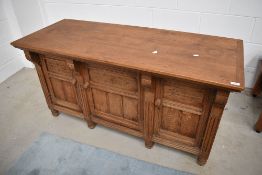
[154, 52]
[235, 83]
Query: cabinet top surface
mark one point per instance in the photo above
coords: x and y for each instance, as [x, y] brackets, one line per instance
[206, 59]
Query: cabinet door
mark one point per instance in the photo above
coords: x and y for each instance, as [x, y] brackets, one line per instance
[114, 95]
[61, 84]
[181, 112]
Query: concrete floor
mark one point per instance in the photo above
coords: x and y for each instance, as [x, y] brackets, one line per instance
[24, 115]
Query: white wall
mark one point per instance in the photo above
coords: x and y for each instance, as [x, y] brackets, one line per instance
[231, 18]
[10, 58]
[28, 15]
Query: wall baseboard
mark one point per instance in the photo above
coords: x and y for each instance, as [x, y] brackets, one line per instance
[10, 68]
[28, 64]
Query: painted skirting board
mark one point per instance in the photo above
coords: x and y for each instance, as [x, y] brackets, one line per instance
[10, 68]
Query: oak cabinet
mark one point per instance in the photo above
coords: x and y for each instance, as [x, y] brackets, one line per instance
[149, 83]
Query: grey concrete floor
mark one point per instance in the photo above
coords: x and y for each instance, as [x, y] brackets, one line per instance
[24, 116]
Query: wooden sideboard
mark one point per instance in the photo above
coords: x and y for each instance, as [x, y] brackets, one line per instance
[166, 87]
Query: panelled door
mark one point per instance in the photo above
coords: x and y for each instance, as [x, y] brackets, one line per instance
[114, 95]
[180, 113]
[61, 84]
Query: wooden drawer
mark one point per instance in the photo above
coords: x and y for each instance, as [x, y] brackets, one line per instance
[113, 78]
[57, 65]
[189, 94]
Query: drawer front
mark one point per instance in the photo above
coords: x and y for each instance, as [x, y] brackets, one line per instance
[183, 111]
[183, 93]
[61, 83]
[114, 78]
[57, 66]
[114, 95]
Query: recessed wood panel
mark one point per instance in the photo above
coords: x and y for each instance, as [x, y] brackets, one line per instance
[58, 90]
[115, 104]
[171, 119]
[100, 100]
[130, 108]
[180, 122]
[70, 93]
[63, 90]
[189, 124]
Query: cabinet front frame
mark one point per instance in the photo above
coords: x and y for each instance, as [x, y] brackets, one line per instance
[149, 86]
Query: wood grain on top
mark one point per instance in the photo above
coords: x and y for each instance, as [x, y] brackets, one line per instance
[218, 61]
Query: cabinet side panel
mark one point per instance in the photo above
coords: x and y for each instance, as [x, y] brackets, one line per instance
[212, 125]
[37, 60]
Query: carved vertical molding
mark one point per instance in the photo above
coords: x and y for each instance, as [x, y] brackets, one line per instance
[148, 108]
[36, 60]
[212, 125]
[81, 91]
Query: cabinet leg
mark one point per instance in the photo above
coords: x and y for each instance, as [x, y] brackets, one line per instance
[212, 126]
[201, 161]
[91, 124]
[55, 112]
[258, 126]
[257, 89]
[149, 144]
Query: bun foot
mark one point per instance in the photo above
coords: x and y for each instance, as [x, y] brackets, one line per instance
[258, 126]
[91, 126]
[149, 145]
[257, 129]
[55, 113]
[201, 162]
